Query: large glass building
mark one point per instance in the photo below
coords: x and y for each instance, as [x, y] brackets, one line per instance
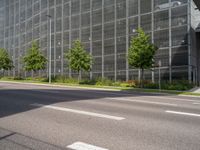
[105, 27]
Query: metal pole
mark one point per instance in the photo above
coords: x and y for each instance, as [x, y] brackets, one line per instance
[50, 50]
[159, 65]
[49, 47]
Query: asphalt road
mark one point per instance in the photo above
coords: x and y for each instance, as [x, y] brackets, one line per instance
[41, 117]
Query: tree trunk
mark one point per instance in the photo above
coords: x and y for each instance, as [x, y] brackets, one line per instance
[32, 74]
[79, 76]
[3, 72]
[142, 78]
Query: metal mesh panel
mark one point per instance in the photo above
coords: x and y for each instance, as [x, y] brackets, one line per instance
[121, 62]
[85, 35]
[109, 46]
[146, 22]
[97, 48]
[75, 7]
[97, 17]
[145, 6]
[109, 30]
[22, 21]
[109, 13]
[97, 65]
[179, 36]
[133, 7]
[96, 4]
[75, 22]
[161, 38]
[85, 19]
[97, 32]
[85, 5]
[121, 9]
[121, 28]
[121, 45]
[179, 16]
[161, 20]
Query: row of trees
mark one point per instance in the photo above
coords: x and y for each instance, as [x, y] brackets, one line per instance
[140, 55]
[78, 59]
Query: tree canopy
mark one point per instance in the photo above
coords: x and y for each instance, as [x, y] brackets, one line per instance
[34, 60]
[5, 62]
[141, 51]
[78, 58]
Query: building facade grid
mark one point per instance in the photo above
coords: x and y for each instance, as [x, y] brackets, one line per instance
[105, 27]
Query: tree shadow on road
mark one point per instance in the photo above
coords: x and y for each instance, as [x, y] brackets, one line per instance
[14, 101]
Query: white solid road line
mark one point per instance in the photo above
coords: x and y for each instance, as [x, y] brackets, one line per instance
[171, 98]
[142, 101]
[182, 113]
[80, 112]
[196, 103]
[84, 146]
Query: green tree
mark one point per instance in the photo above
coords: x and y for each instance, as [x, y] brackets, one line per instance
[34, 60]
[141, 52]
[5, 62]
[78, 58]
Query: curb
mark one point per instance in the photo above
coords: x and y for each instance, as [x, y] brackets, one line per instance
[62, 86]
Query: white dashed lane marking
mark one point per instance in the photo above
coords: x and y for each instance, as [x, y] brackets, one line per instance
[84, 146]
[80, 112]
[183, 113]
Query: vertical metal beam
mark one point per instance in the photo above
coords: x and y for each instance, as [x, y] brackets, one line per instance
[48, 39]
[80, 31]
[54, 56]
[91, 37]
[139, 23]
[14, 36]
[152, 37]
[70, 32]
[62, 42]
[170, 43]
[115, 46]
[50, 49]
[127, 39]
[19, 50]
[189, 42]
[102, 38]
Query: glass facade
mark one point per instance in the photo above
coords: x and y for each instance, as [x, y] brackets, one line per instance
[105, 27]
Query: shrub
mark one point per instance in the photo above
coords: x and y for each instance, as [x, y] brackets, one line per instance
[88, 82]
[118, 83]
[18, 78]
[151, 86]
[104, 82]
[125, 84]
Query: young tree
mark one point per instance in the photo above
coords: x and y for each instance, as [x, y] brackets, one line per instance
[5, 62]
[78, 59]
[141, 52]
[34, 60]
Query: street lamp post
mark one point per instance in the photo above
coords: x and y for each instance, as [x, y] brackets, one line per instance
[49, 47]
[159, 82]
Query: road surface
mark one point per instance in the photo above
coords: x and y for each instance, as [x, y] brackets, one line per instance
[55, 118]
